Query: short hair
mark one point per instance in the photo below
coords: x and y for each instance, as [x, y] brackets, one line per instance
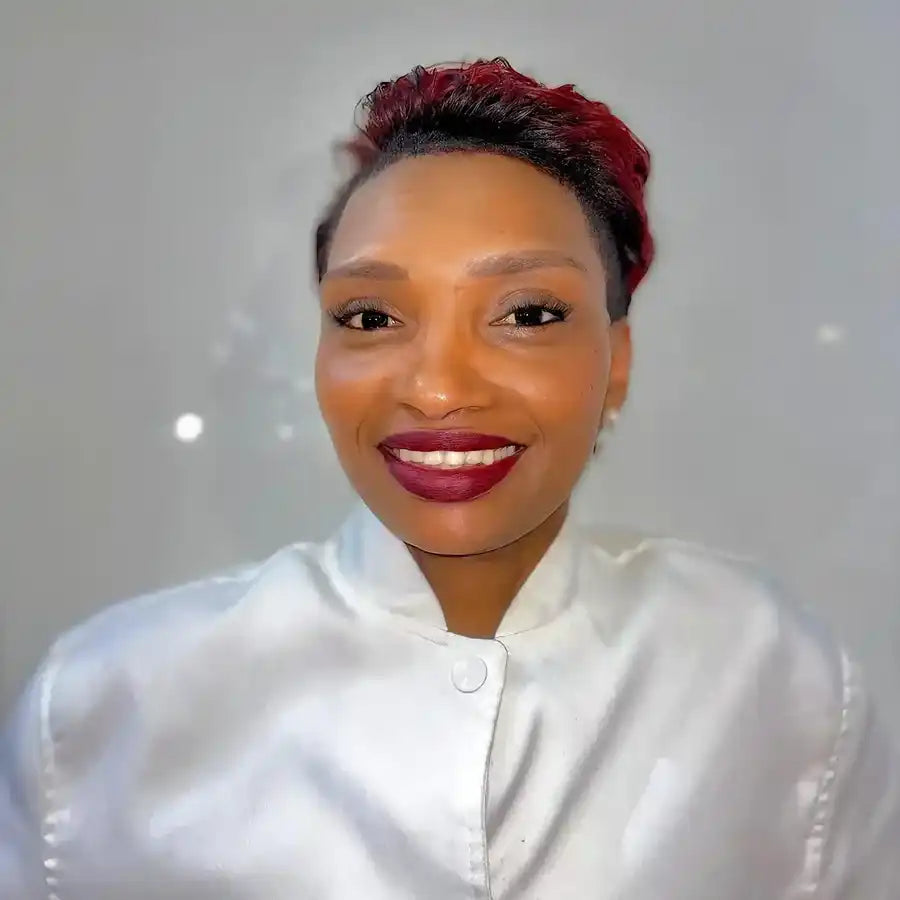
[490, 107]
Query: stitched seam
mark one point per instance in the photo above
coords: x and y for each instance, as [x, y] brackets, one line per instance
[487, 769]
[819, 833]
[485, 784]
[48, 781]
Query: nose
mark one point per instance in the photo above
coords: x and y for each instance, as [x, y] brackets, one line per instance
[444, 376]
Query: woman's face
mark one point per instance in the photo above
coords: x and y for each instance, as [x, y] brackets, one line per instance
[465, 354]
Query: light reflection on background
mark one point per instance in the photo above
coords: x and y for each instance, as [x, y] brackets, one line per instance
[188, 427]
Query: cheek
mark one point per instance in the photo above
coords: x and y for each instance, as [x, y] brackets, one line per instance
[347, 387]
[566, 395]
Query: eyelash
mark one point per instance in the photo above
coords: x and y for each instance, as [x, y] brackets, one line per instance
[352, 308]
[346, 311]
[552, 305]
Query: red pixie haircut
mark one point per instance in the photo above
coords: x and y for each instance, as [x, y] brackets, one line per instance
[488, 106]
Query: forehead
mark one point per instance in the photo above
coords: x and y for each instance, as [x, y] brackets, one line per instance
[451, 208]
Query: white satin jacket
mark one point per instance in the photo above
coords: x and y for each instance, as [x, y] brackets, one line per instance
[652, 725]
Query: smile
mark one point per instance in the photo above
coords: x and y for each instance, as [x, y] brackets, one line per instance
[454, 459]
[449, 466]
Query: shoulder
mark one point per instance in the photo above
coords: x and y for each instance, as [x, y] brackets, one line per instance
[722, 594]
[721, 619]
[184, 611]
[731, 648]
[136, 628]
[109, 665]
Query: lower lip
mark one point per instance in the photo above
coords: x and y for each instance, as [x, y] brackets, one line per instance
[448, 485]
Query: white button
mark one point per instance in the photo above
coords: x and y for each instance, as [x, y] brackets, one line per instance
[469, 674]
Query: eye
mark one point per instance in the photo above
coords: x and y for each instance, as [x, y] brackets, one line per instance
[369, 320]
[363, 315]
[535, 313]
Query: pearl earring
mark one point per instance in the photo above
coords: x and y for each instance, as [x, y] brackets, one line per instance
[610, 417]
[607, 423]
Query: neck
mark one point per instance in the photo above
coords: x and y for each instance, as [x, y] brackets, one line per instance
[475, 591]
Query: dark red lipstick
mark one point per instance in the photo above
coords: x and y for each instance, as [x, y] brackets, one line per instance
[449, 483]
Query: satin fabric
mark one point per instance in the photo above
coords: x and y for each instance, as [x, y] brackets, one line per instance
[651, 724]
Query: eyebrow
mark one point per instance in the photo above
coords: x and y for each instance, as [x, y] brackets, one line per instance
[368, 268]
[498, 264]
[511, 263]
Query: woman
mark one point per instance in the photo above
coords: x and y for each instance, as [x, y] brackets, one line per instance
[460, 695]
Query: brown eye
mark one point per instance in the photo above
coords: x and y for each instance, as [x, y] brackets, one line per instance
[535, 314]
[370, 320]
[530, 316]
[358, 316]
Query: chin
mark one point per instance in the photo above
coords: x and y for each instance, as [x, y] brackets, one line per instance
[459, 529]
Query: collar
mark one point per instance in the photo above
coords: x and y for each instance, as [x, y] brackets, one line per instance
[377, 569]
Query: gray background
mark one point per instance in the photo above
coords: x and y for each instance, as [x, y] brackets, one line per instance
[160, 167]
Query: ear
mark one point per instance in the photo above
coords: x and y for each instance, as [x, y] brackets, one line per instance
[620, 365]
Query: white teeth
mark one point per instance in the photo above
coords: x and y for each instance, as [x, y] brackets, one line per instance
[453, 459]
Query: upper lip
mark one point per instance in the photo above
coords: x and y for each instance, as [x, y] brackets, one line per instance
[427, 440]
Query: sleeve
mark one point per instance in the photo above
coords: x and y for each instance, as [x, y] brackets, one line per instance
[855, 840]
[22, 761]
